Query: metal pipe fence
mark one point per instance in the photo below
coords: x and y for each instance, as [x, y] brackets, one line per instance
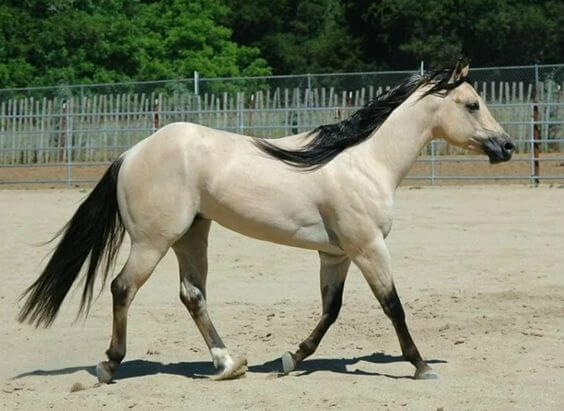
[50, 138]
[526, 74]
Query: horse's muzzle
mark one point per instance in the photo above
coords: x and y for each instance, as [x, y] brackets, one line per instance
[498, 149]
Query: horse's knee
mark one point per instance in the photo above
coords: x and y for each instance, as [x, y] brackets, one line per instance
[392, 306]
[333, 313]
[332, 317]
[192, 298]
[334, 296]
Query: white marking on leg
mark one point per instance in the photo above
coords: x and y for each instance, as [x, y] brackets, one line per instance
[221, 358]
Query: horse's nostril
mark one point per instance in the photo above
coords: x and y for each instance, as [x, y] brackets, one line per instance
[508, 146]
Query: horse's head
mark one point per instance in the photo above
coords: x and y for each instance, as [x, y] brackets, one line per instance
[465, 121]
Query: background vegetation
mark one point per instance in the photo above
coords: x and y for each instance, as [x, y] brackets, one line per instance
[48, 42]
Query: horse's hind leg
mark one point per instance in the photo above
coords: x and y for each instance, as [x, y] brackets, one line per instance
[141, 262]
[191, 251]
[333, 273]
[374, 262]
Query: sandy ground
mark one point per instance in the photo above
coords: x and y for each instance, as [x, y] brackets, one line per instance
[480, 271]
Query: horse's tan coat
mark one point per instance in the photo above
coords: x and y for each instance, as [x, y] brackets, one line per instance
[186, 174]
[168, 189]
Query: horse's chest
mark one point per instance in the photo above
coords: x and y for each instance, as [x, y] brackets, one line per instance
[362, 220]
[381, 218]
[386, 227]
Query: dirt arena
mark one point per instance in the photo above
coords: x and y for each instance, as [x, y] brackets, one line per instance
[480, 270]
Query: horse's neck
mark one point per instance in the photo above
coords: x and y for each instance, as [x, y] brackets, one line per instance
[399, 140]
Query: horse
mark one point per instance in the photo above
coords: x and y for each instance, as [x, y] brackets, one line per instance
[330, 190]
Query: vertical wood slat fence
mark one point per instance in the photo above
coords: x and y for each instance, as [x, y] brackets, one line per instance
[97, 128]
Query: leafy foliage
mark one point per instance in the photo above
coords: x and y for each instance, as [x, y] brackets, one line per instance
[71, 41]
[297, 36]
[341, 35]
[489, 32]
[46, 42]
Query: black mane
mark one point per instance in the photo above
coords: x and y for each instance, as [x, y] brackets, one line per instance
[331, 139]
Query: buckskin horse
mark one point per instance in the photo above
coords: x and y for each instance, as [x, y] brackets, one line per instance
[329, 190]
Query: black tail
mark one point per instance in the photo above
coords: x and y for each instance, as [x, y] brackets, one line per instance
[95, 231]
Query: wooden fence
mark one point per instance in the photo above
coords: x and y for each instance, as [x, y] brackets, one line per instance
[97, 128]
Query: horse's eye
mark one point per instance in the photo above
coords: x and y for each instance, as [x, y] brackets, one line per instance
[473, 106]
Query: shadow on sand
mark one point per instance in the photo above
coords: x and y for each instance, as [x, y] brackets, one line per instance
[199, 369]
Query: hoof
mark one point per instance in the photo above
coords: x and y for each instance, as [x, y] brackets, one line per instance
[103, 372]
[426, 374]
[288, 363]
[236, 370]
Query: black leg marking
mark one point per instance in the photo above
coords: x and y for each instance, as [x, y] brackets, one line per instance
[393, 308]
[333, 298]
[134, 274]
[374, 262]
[194, 300]
[333, 274]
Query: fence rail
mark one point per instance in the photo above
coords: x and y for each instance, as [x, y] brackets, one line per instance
[75, 130]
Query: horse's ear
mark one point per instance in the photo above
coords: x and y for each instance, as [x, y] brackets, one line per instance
[465, 70]
[456, 72]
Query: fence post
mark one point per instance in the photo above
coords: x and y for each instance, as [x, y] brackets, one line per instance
[156, 120]
[536, 81]
[196, 83]
[432, 162]
[422, 68]
[536, 145]
[63, 130]
[68, 144]
[240, 112]
[252, 104]
[308, 81]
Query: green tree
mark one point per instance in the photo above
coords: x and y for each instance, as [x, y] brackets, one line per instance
[297, 36]
[71, 41]
[399, 33]
[46, 42]
[184, 36]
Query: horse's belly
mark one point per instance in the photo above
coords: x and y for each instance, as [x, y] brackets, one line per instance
[263, 199]
[276, 227]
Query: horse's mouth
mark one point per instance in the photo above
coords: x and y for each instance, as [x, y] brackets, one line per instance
[498, 149]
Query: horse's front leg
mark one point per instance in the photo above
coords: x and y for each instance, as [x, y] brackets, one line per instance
[373, 260]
